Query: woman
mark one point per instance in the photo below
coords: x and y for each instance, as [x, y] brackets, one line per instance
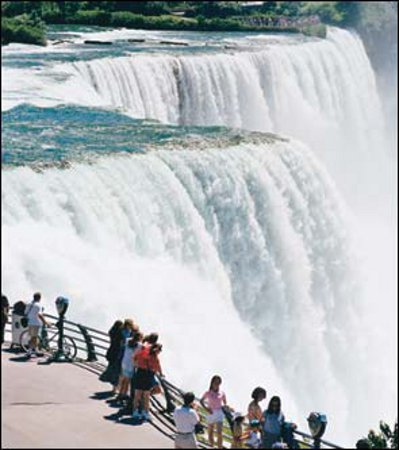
[148, 365]
[133, 346]
[113, 355]
[273, 421]
[128, 329]
[149, 340]
[213, 401]
[254, 410]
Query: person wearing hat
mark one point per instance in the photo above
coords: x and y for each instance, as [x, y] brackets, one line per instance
[239, 436]
[186, 419]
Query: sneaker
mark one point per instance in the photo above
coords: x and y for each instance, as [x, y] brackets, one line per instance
[136, 415]
[146, 417]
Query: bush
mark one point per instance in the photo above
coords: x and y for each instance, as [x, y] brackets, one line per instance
[93, 17]
[165, 22]
[21, 29]
[327, 11]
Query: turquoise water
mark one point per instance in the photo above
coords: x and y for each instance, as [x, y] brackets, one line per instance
[33, 135]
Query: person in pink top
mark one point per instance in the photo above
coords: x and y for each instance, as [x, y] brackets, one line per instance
[213, 401]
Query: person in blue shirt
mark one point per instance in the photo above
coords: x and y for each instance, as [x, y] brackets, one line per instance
[273, 421]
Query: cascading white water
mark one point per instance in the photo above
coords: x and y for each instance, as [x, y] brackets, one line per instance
[322, 92]
[179, 235]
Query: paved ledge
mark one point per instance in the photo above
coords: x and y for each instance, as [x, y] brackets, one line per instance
[50, 406]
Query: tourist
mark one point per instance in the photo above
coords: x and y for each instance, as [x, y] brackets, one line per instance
[255, 437]
[149, 340]
[148, 365]
[273, 420]
[238, 431]
[186, 419]
[128, 330]
[113, 355]
[36, 319]
[5, 306]
[127, 366]
[254, 410]
[213, 401]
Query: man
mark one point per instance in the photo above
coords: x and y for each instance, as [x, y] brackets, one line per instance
[186, 419]
[4, 315]
[33, 311]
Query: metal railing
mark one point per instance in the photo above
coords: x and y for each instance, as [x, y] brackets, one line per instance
[92, 346]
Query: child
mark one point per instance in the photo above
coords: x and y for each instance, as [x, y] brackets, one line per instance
[254, 439]
[213, 401]
[239, 436]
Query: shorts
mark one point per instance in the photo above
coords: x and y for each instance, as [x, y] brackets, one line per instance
[33, 330]
[185, 441]
[143, 380]
[127, 372]
[216, 417]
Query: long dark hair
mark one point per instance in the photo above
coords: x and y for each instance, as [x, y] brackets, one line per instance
[274, 399]
[115, 327]
[215, 378]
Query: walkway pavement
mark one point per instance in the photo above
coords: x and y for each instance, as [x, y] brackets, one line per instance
[52, 406]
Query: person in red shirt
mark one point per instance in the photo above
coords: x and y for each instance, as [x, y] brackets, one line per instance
[148, 365]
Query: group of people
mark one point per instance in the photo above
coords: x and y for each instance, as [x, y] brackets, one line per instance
[133, 368]
[133, 364]
[264, 429]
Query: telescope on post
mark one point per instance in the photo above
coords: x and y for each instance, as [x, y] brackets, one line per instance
[317, 423]
[61, 304]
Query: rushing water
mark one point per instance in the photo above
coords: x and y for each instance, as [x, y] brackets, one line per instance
[238, 246]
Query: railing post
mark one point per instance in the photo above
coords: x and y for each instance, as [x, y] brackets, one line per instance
[91, 351]
[170, 406]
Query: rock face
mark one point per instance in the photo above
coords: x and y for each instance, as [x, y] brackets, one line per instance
[378, 28]
[98, 42]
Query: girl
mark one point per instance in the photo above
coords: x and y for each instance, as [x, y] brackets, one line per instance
[273, 423]
[148, 364]
[254, 410]
[213, 401]
[239, 436]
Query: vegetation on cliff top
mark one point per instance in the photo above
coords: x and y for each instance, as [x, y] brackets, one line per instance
[23, 20]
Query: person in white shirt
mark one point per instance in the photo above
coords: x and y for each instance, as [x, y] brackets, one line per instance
[36, 319]
[186, 419]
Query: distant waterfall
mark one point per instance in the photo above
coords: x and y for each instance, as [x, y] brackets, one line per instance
[322, 92]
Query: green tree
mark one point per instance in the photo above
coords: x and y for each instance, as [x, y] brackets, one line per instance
[385, 438]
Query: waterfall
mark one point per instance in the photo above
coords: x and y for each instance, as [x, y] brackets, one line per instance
[322, 92]
[190, 237]
[247, 250]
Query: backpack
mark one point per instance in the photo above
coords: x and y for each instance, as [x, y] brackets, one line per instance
[24, 319]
